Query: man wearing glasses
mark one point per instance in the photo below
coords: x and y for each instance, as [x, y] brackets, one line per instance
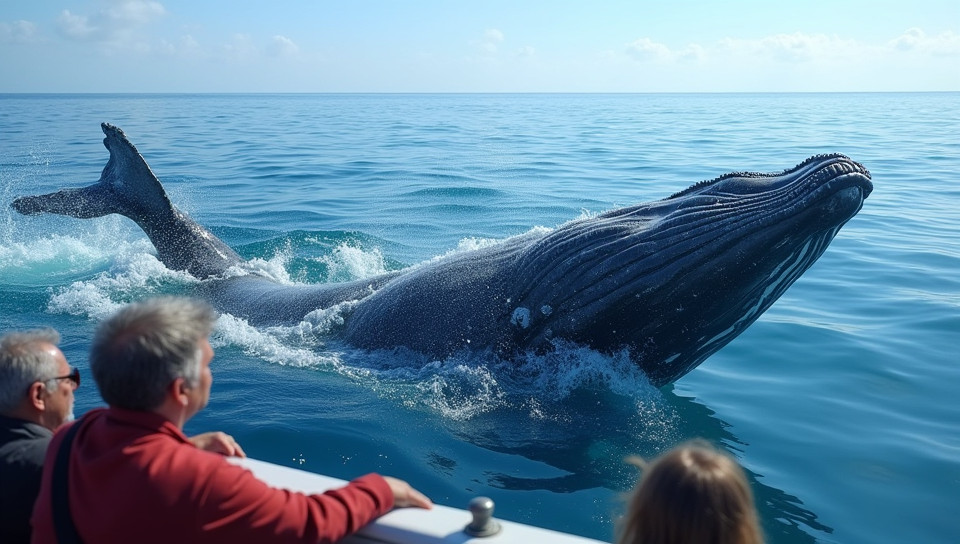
[36, 397]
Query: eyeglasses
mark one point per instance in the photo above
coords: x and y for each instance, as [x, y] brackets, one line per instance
[73, 376]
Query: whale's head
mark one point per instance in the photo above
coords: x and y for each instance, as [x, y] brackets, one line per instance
[675, 280]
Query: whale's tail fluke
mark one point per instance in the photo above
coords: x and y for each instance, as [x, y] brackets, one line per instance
[83, 203]
[127, 186]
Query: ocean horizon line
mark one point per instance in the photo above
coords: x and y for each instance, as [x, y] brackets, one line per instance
[451, 93]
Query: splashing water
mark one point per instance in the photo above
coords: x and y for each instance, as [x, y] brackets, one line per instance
[348, 263]
[463, 387]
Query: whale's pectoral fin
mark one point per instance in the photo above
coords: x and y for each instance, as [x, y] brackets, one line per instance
[92, 201]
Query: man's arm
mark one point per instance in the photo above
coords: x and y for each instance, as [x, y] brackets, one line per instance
[218, 442]
[237, 506]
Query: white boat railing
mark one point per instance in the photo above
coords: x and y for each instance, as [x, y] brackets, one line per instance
[442, 524]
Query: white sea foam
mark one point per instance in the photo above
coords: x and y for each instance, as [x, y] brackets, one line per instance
[470, 384]
[22, 261]
[460, 391]
[286, 346]
[131, 276]
[571, 367]
[53, 256]
[587, 214]
[474, 243]
[350, 263]
[274, 268]
[324, 320]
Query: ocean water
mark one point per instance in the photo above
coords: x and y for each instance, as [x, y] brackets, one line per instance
[840, 401]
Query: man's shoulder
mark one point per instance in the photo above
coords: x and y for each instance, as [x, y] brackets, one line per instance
[21, 466]
[12, 429]
[23, 449]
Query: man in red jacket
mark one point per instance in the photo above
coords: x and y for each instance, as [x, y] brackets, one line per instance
[133, 476]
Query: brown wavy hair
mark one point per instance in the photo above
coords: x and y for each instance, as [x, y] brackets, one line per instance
[692, 493]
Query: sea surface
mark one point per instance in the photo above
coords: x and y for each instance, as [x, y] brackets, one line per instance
[840, 401]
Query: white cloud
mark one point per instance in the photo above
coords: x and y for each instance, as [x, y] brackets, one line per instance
[526, 52]
[241, 48]
[132, 26]
[189, 43]
[117, 23]
[73, 26]
[916, 40]
[18, 32]
[492, 38]
[796, 61]
[135, 11]
[691, 53]
[793, 48]
[167, 48]
[909, 40]
[646, 49]
[796, 47]
[281, 46]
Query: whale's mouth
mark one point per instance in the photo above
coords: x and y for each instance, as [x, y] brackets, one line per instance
[845, 199]
[835, 176]
[838, 199]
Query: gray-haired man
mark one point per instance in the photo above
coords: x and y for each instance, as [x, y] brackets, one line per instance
[36, 397]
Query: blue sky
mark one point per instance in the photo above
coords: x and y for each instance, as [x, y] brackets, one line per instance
[478, 46]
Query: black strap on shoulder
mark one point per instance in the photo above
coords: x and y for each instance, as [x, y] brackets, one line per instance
[62, 521]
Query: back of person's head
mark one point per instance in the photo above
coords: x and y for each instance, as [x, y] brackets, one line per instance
[692, 493]
[145, 346]
[23, 361]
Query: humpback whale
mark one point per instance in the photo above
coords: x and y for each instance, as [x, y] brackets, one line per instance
[668, 282]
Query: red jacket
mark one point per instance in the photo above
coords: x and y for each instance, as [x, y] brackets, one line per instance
[134, 477]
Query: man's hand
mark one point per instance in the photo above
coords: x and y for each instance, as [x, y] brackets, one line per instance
[218, 442]
[404, 495]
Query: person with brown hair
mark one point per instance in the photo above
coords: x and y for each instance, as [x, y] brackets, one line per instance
[692, 493]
